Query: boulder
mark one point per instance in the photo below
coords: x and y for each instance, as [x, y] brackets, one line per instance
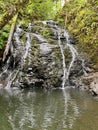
[37, 58]
[94, 86]
[91, 82]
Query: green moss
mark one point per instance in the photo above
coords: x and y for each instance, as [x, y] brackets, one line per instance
[46, 32]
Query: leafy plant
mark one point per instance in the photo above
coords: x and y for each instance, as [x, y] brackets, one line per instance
[81, 19]
[4, 35]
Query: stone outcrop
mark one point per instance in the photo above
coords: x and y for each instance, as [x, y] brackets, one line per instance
[91, 82]
[36, 60]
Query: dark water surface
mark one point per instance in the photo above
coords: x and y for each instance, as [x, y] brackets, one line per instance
[56, 110]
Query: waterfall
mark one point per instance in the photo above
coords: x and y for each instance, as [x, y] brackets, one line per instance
[32, 58]
[63, 34]
[64, 65]
[20, 50]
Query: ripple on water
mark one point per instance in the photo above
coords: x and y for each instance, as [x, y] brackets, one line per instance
[60, 109]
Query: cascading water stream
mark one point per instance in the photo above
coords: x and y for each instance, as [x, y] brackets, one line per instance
[40, 38]
[19, 49]
[64, 65]
[72, 50]
[28, 45]
[58, 33]
[27, 50]
[66, 70]
[16, 34]
[21, 56]
[11, 78]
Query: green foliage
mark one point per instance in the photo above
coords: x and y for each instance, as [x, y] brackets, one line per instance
[5, 5]
[81, 19]
[35, 10]
[4, 36]
[41, 10]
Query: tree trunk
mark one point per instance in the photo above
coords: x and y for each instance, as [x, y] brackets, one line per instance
[11, 12]
[10, 38]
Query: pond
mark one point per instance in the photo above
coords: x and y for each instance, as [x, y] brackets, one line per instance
[58, 109]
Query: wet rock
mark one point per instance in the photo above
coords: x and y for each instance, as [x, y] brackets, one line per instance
[94, 87]
[36, 59]
[91, 82]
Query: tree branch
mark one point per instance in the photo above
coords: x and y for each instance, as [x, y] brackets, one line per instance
[10, 38]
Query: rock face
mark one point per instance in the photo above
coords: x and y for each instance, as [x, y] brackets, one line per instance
[91, 83]
[37, 57]
[94, 86]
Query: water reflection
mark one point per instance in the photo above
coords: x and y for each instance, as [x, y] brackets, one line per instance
[37, 110]
[71, 111]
